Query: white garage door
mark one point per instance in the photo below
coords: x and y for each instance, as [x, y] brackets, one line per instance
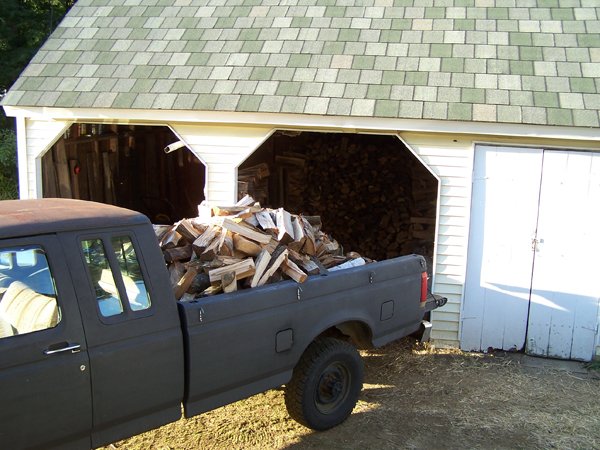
[532, 277]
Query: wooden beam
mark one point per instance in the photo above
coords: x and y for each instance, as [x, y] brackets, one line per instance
[74, 178]
[109, 190]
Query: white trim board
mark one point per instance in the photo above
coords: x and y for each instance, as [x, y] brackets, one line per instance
[315, 122]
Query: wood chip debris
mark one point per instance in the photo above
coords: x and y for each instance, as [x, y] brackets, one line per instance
[244, 246]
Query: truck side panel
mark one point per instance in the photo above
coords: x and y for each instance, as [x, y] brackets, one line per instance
[246, 342]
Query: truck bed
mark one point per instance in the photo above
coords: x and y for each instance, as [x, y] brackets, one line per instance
[248, 341]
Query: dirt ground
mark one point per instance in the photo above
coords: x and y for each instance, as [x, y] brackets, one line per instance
[417, 397]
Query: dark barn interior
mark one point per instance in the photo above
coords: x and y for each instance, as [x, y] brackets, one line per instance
[125, 165]
[373, 195]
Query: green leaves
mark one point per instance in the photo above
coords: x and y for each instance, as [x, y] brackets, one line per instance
[8, 164]
[24, 26]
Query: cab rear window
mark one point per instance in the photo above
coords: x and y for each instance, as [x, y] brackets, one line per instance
[116, 275]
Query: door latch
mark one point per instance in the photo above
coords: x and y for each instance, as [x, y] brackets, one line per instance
[73, 348]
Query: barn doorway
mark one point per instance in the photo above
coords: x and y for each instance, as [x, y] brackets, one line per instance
[125, 165]
[373, 195]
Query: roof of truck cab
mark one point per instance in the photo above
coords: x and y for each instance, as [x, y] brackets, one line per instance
[20, 218]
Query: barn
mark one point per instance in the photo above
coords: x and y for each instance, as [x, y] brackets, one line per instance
[465, 130]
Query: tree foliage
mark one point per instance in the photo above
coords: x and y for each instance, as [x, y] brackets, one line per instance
[24, 26]
[8, 165]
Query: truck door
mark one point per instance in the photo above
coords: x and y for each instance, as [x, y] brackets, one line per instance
[45, 394]
[132, 329]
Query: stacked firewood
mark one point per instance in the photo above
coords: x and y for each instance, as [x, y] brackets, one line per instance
[371, 191]
[247, 246]
[378, 198]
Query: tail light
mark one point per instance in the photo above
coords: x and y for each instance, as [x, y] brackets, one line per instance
[423, 287]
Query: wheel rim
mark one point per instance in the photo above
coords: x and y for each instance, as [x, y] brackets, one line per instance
[333, 388]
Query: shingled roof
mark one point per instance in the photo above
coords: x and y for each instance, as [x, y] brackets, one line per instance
[512, 61]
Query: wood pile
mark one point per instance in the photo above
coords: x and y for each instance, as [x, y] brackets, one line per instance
[370, 190]
[255, 179]
[246, 246]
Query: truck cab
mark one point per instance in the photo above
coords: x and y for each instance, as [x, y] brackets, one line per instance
[73, 281]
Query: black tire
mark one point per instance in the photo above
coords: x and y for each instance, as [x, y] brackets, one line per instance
[325, 384]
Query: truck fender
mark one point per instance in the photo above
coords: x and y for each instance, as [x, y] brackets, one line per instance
[357, 330]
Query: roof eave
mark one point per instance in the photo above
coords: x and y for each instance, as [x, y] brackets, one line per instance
[351, 124]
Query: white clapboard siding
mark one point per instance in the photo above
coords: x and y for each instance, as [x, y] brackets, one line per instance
[222, 149]
[452, 163]
[38, 137]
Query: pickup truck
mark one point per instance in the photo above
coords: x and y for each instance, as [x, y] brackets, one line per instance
[95, 348]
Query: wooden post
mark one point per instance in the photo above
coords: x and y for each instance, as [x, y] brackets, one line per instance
[62, 170]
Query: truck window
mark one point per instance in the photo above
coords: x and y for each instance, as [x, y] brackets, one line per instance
[109, 298]
[27, 292]
[137, 294]
[107, 294]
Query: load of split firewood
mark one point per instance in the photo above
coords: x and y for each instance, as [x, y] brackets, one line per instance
[246, 246]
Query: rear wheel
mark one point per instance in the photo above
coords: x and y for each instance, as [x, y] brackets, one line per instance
[325, 385]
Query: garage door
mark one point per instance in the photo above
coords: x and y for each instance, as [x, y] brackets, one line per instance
[532, 281]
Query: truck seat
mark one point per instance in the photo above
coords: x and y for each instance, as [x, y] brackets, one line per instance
[6, 329]
[5, 280]
[25, 310]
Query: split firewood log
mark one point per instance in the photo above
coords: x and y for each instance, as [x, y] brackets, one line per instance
[293, 271]
[246, 230]
[186, 229]
[277, 258]
[183, 253]
[242, 270]
[261, 263]
[285, 227]
[205, 239]
[229, 282]
[246, 246]
[185, 282]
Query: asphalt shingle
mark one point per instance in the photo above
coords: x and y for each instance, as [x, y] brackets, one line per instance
[535, 62]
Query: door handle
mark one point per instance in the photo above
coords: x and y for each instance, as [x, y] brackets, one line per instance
[73, 348]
